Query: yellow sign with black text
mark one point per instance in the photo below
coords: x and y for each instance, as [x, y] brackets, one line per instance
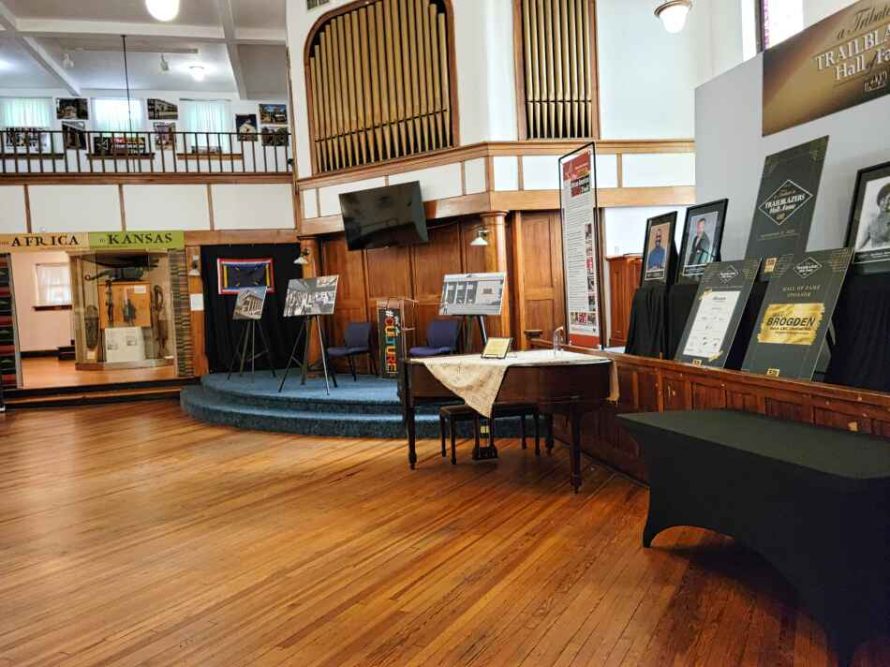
[842, 61]
[791, 323]
[43, 242]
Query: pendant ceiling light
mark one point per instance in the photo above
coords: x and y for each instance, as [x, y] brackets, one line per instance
[163, 10]
[197, 72]
[673, 14]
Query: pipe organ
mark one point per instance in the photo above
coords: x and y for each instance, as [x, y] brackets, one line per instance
[559, 68]
[380, 83]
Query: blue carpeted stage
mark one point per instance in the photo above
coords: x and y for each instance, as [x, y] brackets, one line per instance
[369, 408]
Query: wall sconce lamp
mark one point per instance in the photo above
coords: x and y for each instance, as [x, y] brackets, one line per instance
[303, 258]
[481, 239]
[673, 14]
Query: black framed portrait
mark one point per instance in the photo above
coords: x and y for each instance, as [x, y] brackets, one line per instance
[659, 255]
[869, 229]
[702, 236]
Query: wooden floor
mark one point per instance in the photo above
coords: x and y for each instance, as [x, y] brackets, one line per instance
[131, 534]
[40, 372]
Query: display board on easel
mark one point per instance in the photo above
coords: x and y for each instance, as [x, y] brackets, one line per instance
[310, 298]
[473, 296]
[582, 247]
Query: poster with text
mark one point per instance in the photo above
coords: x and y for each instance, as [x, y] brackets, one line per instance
[719, 304]
[796, 313]
[838, 63]
[580, 242]
[786, 202]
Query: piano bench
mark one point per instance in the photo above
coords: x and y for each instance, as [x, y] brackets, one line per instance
[451, 415]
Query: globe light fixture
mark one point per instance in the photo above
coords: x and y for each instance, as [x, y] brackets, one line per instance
[197, 72]
[673, 14]
[163, 10]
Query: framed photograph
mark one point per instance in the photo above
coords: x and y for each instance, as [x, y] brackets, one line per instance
[161, 109]
[275, 136]
[246, 126]
[658, 250]
[497, 348]
[74, 135]
[249, 303]
[869, 229]
[702, 236]
[311, 296]
[273, 114]
[72, 108]
[165, 135]
[26, 140]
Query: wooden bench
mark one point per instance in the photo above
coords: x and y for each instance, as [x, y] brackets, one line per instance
[813, 501]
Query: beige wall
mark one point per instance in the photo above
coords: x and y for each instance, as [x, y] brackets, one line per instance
[38, 330]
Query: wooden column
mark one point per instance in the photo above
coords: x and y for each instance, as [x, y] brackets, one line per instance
[312, 270]
[196, 286]
[495, 223]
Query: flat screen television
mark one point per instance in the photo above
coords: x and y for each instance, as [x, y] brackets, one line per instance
[381, 217]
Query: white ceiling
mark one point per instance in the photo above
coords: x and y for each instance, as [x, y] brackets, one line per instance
[240, 44]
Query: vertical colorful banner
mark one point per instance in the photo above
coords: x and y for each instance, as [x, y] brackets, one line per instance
[389, 330]
[580, 243]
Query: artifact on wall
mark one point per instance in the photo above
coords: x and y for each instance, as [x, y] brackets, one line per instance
[246, 126]
[717, 312]
[233, 275]
[249, 303]
[273, 114]
[838, 63]
[91, 326]
[796, 313]
[165, 135]
[275, 136]
[122, 145]
[26, 140]
[472, 294]
[702, 236]
[582, 260]
[659, 256]
[161, 110]
[786, 202]
[311, 296]
[72, 108]
[74, 135]
[869, 230]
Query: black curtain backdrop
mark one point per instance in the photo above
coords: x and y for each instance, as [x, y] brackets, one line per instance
[681, 298]
[222, 332]
[647, 334]
[861, 355]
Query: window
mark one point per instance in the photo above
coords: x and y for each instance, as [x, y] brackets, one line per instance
[113, 115]
[207, 119]
[53, 284]
[557, 68]
[379, 83]
[26, 112]
[779, 20]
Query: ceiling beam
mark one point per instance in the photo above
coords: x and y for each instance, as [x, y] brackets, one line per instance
[227, 17]
[32, 47]
[69, 27]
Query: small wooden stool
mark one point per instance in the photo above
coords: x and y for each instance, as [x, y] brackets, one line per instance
[454, 414]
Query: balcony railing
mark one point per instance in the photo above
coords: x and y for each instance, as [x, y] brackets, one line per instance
[71, 151]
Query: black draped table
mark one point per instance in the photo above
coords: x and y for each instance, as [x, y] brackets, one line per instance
[813, 501]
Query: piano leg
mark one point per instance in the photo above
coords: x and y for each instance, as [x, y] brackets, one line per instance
[575, 416]
[409, 422]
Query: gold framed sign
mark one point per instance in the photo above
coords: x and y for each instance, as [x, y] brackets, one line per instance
[497, 348]
[838, 63]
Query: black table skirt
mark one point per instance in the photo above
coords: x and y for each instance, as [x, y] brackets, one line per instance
[647, 334]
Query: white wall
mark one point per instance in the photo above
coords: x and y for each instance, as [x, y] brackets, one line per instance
[625, 228]
[730, 152]
[38, 330]
[816, 10]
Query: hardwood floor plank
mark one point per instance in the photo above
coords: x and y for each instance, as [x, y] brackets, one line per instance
[132, 535]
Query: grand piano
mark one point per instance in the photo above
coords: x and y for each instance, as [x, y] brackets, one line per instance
[572, 389]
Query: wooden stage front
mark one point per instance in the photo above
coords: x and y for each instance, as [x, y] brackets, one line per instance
[131, 534]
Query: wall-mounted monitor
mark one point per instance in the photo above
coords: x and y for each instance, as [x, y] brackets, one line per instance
[381, 217]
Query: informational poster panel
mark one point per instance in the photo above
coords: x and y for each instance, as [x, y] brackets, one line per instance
[581, 247]
[796, 313]
[838, 63]
[719, 305]
[472, 294]
[786, 202]
[311, 296]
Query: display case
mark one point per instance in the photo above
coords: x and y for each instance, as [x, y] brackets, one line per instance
[123, 314]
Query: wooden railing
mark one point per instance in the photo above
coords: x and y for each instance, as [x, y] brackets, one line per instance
[71, 151]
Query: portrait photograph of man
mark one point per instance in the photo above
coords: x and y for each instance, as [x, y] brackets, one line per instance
[657, 251]
[702, 235]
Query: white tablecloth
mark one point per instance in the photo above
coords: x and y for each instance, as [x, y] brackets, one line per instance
[477, 381]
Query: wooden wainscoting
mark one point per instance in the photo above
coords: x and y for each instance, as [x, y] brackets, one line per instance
[624, 278]
[539, 285]
[655, 385]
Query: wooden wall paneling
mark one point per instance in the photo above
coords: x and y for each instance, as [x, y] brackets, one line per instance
[677, 393]
[496, 254]
[708, 397]
[789, 409]
[542, 288]
[649, 398]
[430, 263]
[352, 302]
[842, 419]
[624, 277]
[196, 286]
[744, 401]
[472, 261]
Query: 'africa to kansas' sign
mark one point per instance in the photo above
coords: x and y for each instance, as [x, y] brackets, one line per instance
[133, 240]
